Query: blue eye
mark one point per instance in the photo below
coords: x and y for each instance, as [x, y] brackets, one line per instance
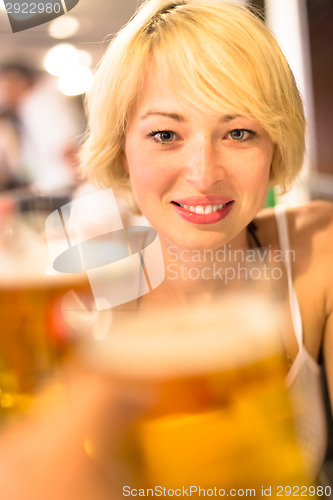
[163, 136]
[241, 134]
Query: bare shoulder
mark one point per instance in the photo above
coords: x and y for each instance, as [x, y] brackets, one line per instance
[310, 229]
[314, 211]
[312, 225]
[313, 221]
[311, 235]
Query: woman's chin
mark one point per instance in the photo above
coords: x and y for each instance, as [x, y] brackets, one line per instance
[195, 243]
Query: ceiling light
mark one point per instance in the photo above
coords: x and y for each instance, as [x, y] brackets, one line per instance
[76, 81]
[61, 58]
[63, 27]
[85, 58]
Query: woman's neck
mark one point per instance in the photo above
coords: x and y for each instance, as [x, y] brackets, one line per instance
[198, 274]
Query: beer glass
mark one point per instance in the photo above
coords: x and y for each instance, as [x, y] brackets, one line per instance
[204, 407]
[32, 333]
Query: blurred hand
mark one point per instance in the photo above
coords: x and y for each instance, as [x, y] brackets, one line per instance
[43, 457]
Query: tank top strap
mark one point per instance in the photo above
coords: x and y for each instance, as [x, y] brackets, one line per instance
[283, 236]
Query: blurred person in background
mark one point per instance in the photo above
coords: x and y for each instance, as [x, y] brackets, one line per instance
[48, 126]
[9, 153]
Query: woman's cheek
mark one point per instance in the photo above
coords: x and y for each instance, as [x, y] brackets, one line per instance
[152, 175]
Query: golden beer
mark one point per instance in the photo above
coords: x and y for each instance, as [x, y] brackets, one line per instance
[204, 402]
[33, 339]
[33, 332]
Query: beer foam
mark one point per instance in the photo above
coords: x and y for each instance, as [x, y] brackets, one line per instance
[32, 279]
[189, 341]
[31, 268]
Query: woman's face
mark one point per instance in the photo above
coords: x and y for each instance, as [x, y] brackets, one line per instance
[198, 177]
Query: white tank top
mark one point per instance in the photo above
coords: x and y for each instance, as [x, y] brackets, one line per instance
[304, 378]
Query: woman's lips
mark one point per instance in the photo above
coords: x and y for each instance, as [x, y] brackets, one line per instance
[203, 213]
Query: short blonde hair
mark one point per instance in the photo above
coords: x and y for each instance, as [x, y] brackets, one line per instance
[217, 55]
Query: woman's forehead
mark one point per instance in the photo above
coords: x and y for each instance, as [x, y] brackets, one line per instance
[158, 87]
[164, 90]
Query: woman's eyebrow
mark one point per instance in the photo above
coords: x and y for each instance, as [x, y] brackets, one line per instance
[228, 118]
[173, 116]
[180, 118]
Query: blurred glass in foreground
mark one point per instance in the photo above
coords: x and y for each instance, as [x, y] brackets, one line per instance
[204, 401]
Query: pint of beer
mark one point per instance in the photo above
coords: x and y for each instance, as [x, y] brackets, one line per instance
[32, 330]
[204, 403]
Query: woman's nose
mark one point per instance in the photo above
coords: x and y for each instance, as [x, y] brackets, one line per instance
[203, 165]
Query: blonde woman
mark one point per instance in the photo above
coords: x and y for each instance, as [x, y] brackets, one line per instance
[193, 114]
